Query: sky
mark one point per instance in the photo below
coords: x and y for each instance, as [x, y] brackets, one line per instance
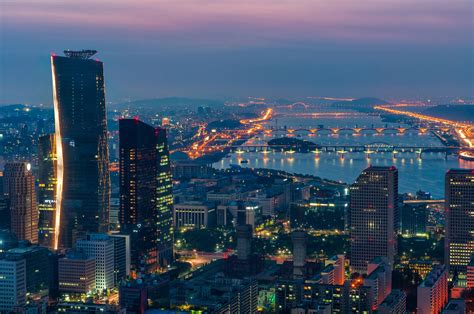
[225, 48]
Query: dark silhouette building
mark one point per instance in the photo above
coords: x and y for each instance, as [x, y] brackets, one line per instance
[146, 195]
[83, 182]
[414, 219]
[459, 205]
[374, 212]
[138, 164]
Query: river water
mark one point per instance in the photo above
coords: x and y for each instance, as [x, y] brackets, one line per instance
[415, 174]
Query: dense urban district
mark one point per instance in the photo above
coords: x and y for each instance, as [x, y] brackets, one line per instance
[239, 205]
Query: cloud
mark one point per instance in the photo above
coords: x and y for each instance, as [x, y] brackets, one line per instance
[253, 22]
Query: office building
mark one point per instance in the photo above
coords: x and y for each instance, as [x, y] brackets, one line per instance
[394, 303]
[138, 171]
[47, 176]
[373, 212]
[39, 266]
[243, 299]
[379, 279]
[249, 213]
[414, 219]
[4, 209]
[83, 182]
[133, 297]
[12, 284]
[164, 201]
[459, 206]
[470, 274]
[432, 293]
[76, 273]
[338, 263]
[101, 248]
[121, 256]
[19, 188]
[194, 215]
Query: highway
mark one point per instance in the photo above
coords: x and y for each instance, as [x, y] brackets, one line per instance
[208, 143]
[464, 131]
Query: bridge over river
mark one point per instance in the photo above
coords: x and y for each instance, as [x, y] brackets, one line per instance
[342, 150]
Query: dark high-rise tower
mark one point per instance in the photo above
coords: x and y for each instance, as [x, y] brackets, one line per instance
[83, 182]
[138, 166]
[47, 176]
[19, 188]
[374, 212]
[146, 194]
[164, 200]
[459, 208]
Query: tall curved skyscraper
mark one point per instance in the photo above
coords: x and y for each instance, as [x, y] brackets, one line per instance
[83, 183]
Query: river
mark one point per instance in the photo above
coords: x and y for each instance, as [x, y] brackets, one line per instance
[415, 174]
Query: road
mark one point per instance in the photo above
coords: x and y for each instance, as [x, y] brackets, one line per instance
[209, 142]
[464, 131]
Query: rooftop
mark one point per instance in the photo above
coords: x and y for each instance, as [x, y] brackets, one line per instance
[80, 54]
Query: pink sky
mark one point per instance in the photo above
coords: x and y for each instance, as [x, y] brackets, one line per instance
[155, 48]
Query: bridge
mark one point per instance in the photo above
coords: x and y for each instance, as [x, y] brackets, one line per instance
[356, 130]
[342, 150]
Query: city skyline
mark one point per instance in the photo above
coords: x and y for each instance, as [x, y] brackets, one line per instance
[274, 49]
[221, 157]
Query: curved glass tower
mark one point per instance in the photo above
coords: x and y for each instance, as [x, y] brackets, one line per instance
[83, 182]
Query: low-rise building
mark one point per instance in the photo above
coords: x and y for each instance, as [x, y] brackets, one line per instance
[194, 214]
[76, 273]
[12, 284]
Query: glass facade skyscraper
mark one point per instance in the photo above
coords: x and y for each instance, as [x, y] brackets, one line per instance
[459, 209]
[164, 200]
[146, 194]
[83, 182]
[47, 179]
[374, 216]
[138, 166]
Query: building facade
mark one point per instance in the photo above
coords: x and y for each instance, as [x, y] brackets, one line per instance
[40, 266]
[101, 248]
[394, 303]
[432, 293]
[459, 206]
[194, 215]
[138, 171]
[83, 182]
[164, 201]
[76, 273]
[373, 212]
[19, 188]
[12, 284]
[47, 179]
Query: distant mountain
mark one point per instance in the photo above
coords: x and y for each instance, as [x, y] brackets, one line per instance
[171, 102]
[452, 112]
[361, 102]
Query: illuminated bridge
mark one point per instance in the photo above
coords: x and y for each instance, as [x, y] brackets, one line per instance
[342, 150]
[356, 130]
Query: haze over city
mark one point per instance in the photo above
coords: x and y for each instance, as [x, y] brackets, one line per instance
[343, 48]
[228, 157]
